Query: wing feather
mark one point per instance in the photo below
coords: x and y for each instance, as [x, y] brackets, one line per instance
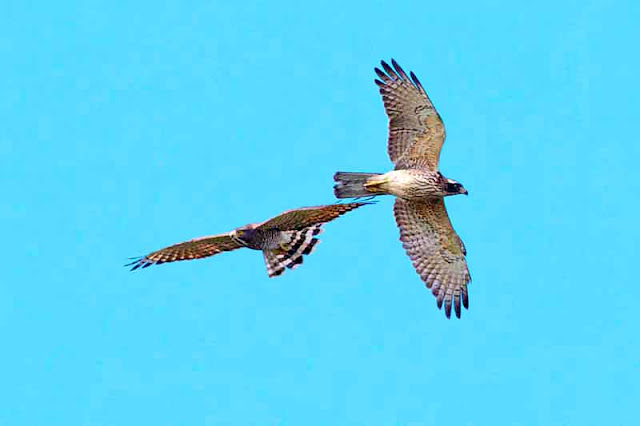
[296, 219]
[436, 251]
[416, 131]
[192, 249]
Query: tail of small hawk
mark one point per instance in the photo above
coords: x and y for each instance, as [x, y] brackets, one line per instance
[352, 185]
[303, 242]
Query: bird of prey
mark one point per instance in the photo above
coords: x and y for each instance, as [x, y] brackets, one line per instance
[283, 239]
[416, 135]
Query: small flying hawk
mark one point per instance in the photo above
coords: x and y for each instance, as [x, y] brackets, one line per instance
[416, 135]
[283, 239]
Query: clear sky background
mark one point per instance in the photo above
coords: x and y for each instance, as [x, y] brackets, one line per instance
[129, 126]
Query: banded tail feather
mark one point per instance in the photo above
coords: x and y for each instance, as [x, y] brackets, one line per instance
[352, 184]
[272, 261]
[302, 243]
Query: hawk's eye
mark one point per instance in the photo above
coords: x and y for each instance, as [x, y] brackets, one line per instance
[453, 187]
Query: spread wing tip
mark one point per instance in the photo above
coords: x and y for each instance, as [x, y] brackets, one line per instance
[458, 300]
[390, 72]
[415, 80]
[457, 306]
[398, 69]
[140, 262]
[395, 72]
[447, 309]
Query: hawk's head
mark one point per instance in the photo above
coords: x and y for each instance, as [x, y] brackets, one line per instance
[243, 235]
[451, 187]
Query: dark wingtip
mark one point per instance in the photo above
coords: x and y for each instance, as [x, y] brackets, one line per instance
[399, 70]
[137, 262]
[367, 201]
[390, 72]
[447, 309]
[142, 262]
[416, 81]
[134, 260]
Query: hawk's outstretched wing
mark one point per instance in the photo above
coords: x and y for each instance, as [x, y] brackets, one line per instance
[416, 132]
[436, 251]
[293, 220]
[192, 249]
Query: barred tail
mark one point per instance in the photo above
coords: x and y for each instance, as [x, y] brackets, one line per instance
[302, 242]
[351, 185]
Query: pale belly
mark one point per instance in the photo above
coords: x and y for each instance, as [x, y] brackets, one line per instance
[410, 184]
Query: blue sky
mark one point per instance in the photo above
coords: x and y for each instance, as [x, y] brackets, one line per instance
[128, 126]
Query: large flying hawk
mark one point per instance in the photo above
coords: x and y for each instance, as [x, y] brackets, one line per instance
[283, 239]
[416, 135]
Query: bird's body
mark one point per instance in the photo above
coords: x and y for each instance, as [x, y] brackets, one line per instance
[409, 184]
[416, 135]
[283, 239]
[251, 236]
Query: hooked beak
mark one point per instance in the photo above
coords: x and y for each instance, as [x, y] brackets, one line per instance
[465, 192]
